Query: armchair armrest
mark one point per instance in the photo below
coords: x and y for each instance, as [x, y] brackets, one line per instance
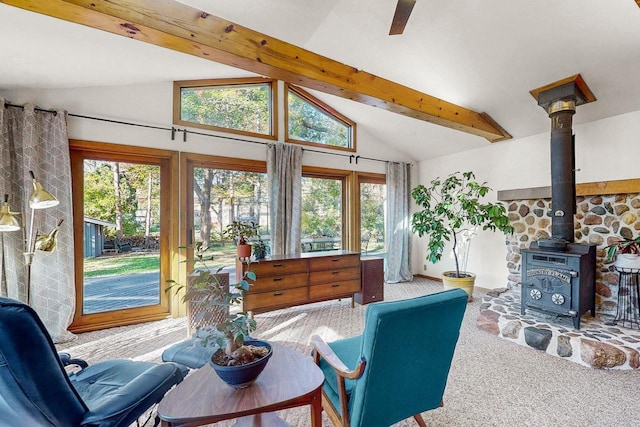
[321, 349]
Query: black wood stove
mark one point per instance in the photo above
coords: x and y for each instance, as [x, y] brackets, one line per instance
[561, 283]
[558, 275]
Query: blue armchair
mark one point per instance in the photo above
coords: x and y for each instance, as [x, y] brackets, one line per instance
[398, 367]
[35, 389]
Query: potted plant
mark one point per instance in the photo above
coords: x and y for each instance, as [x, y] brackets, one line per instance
[241, 232]
[259, 249]
[239, 359]
[626, 253]
[450, 208]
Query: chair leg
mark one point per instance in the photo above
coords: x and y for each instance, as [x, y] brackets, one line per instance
[419, 420]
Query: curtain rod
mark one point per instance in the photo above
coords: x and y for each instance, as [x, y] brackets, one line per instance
[173, 130]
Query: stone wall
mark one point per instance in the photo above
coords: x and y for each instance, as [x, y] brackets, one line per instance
[599, 220]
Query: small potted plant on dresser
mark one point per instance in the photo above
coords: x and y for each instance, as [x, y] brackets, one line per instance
[450, 209]
[260, 249]
[241, 232]
[237, 358]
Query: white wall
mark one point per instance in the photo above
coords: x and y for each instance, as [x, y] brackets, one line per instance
[152, 105]
[606, 150]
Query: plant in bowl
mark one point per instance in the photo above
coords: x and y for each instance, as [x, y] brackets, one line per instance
[626, 253]
[241, 232]
[451, 208]
[237, 358]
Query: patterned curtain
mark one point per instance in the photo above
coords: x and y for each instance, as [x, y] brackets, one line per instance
[399, 223]
[33, 140]
[284, 174]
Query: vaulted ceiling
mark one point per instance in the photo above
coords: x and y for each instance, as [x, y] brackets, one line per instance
[473, 57]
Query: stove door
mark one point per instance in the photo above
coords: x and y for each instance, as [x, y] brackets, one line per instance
[548, 289]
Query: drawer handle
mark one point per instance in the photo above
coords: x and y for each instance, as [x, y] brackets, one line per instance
[276, 265]
[277, 294]
[277, 279]
[335, 285]
[335, 272]
[335, 260]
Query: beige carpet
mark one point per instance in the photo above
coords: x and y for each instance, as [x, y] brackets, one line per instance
[492, 382]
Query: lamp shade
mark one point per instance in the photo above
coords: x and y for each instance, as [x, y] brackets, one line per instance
[40, 198]
[8, 220]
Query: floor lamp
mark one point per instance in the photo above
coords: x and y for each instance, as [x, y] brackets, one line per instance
[39, 199]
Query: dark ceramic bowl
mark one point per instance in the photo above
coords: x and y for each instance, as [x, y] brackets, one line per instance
[244, 375]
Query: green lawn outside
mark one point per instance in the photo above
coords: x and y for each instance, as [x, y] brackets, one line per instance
[132, 262]
[115, 265]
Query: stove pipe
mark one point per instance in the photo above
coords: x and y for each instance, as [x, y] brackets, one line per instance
[563, 180]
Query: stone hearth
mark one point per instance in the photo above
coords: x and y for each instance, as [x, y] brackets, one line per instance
[598, 343]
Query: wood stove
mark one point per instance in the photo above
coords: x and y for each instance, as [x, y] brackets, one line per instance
[559, 282]
[558, 275]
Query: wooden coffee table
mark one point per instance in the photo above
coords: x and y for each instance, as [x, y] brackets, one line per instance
[290, 379]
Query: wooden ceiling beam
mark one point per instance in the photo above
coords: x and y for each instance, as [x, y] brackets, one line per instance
[175, 26]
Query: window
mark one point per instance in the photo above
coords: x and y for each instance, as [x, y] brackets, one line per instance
[222, 196]
[310, 121]
[219, 190]
[243, 106]
[322, 212]
[373, 199]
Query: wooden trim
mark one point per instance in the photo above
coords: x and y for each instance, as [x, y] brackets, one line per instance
[601, 188]
[323, 107]
[577, 79]
[181, 28]
[227, 163]
[273, 126]
[620, 186]
[167, 160]
[424, 276]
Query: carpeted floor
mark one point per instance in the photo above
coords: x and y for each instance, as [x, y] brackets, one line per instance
[492, 382]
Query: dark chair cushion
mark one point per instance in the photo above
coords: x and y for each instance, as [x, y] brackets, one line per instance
[112, 390]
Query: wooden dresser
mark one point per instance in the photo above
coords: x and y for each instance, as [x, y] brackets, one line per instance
[285, 281]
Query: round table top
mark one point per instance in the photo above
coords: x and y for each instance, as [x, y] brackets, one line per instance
[288, 377]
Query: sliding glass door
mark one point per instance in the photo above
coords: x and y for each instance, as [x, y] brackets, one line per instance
[122, 227]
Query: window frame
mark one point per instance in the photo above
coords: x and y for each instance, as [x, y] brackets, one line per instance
[327, 110]
[345, 177]
[191, 84]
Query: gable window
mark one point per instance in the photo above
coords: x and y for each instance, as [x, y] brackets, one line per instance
[310, 121]
[242, 106]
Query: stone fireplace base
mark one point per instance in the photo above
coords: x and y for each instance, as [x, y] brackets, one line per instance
[598, 343]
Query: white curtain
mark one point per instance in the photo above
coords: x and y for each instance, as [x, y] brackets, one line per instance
[33, 140]
[284, 175]
[399, 223]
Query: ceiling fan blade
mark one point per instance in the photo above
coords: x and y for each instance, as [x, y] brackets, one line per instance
[400, 18]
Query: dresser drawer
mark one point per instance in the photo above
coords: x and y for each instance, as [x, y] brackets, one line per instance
[332, 289]
[284, 281]
[333, 262]
[274, 268]
[285, 297]
[333, 275]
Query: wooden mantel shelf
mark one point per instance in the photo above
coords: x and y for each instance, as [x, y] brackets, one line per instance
[602, 188]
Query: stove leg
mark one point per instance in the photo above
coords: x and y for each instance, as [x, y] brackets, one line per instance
[576, 322]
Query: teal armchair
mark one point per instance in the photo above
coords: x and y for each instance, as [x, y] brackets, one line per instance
[398, 367]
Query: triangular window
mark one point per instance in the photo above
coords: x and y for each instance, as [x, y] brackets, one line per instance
[310, 121]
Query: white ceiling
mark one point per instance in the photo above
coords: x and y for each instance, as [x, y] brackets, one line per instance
[483, 55]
